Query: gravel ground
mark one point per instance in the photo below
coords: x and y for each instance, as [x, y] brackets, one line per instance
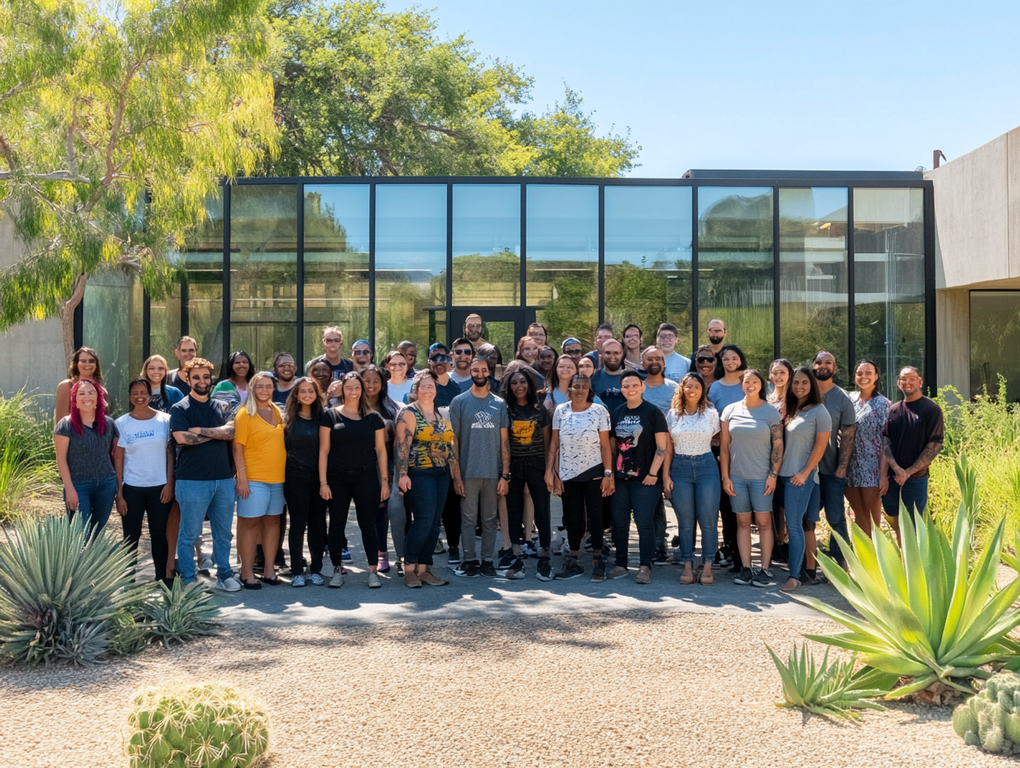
[626, 689]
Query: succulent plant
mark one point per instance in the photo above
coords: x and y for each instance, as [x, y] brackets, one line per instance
[205, 726]
[991, 719]
[181, 612]
[127, 635]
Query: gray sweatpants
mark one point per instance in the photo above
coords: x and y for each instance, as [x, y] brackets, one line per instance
[480, 498]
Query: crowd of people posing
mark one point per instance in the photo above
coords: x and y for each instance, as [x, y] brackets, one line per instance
[613, 433]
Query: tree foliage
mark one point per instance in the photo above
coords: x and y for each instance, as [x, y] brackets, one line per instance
[114, 129]
[361, 91]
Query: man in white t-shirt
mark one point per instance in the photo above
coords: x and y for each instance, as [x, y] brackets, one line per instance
[676, 365]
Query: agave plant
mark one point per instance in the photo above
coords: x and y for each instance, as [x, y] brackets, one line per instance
[926, 613]
[830, 690]
[181, 612]
[59, 592]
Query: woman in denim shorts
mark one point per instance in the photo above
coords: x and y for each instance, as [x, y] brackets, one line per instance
[751, 452]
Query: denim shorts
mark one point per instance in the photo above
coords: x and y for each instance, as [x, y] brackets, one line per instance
[263, 499]
[750, 496]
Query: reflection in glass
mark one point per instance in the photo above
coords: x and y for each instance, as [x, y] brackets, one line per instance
[263, 271]
[486, 245]
[563, 258]
[889, 277]
[336, 264]
[648, 259]
[735, 262]
[112, 321]
[410, 263]
[203, 262]
[994, 340]
[813, 276]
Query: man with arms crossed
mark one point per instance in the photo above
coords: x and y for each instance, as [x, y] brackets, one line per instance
[205, 478]
[481, 442]
[912, 438]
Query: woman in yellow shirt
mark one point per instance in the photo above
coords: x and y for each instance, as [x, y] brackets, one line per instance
[260, 456]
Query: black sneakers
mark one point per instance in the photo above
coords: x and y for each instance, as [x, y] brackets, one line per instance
[745, 577]
[544, 569]
[571, 568]
[469, 569]
[763, 578]
[487, 569]
[598, 569]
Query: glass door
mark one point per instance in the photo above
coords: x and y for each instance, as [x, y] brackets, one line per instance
[500, 327]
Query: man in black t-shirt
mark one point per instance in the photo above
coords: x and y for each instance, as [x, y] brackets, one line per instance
[638, 437]
[284, 370]
[912, 438]
[607, 379]
[204, 475]
[333, 341]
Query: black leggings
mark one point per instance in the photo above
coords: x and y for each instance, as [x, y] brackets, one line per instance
[142, 501]
[530, 473]
[451, 518]
[579, 495]
[361, 485]
[307, 509]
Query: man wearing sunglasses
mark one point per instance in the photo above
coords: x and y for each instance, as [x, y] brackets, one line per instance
[440, 363]
[463, 351]
[572, 348]
[333, 341]
[361, 355]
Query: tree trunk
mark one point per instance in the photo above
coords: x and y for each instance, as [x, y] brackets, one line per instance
[66, 313]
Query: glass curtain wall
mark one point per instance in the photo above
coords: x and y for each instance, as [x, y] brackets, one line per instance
[648, 259]
[889, 278]
[203, 262]
[112, 319]
[813, 289]
[563, 259]
[486, 245]
[994, 340]
[336, 253]
[735, 267]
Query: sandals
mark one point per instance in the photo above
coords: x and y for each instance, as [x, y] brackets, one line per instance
[251, 584]
[687, 577]
[273, 582]
[706, 579]
[791, 589]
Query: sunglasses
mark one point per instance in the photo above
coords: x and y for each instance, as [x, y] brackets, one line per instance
[362, 352]
[462, 351]
[571, 352]
[706, 360]
[441, 359]
[333, 341]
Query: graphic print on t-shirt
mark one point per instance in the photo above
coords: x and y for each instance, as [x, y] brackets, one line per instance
[483, 420]
[628, 433]
[523, 432]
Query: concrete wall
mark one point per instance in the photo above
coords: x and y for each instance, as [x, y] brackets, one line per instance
[31, 354]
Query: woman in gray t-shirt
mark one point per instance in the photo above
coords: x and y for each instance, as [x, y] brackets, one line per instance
[808, 425]
[751, 451]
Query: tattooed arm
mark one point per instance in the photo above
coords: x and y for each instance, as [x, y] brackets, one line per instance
[776, 459]
[658, 461]
[190, 438]
[226, 432]
[846, 448]
[931, 450]
[402, 448]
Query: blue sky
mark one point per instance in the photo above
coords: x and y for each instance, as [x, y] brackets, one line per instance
[753, 85]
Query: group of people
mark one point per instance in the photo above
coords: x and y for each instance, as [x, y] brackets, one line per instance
[475, 448]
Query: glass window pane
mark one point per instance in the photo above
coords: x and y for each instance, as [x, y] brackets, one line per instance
[648, 260]
[735, 263]
[263, 271]
[165, 326]
[813, 276]
[994, 339]
[112, 324]
[563, 259]
[486, 245]
[410, 263]
[203, 262]
[889, 278]
[336, 263]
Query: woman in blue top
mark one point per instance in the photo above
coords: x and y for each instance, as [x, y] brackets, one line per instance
[155, 371]
[808, 426]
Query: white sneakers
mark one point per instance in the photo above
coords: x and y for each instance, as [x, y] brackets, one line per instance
[229, 584]
[338, 579]
[374, 582]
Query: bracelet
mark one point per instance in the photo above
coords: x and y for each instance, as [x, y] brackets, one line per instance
[322, 484]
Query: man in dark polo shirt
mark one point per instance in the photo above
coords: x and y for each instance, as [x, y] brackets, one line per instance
[204, 476]
[912, 438]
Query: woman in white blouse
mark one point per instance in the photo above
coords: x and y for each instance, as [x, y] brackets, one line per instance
[693, 481]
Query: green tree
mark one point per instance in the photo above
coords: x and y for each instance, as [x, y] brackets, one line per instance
[361, 91]
[114, 129]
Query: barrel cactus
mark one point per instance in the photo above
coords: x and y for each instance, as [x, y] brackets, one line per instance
[198, 726]
[991, 719]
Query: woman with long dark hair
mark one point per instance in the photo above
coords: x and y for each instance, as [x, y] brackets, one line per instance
[808, 425]
[530, 432]
[546, 362]
[580, 469]
[352, 465]
[692, 483]
[85, 441]
[144, 461]
[726, 390]
[426, 464]
[155, 371]
[377, 395]
[235, 374]
[867, 476]
[780, 376]
[751, 453]
[305, 506]
[84, 366]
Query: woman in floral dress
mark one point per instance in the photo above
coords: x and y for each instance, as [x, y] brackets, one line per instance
[867, 476]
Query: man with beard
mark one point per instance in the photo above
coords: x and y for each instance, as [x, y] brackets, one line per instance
[440, 363]
[473, 330]
[463, 353]
[606, 381]
[676, 365]
[186, 349]
[828, 491]
[716, 335]
[658, 389]
[204, 475]
[284, 376]
[481, 443]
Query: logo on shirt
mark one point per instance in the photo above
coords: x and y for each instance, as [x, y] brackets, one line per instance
[483, 420]
[524, 431]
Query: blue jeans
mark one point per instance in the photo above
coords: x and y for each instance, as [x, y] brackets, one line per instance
[799, 508]
[95, 500]
[914, 494]
[425, 502]
[633, 495]
[197, 498]
[696, 490]
[828, 495]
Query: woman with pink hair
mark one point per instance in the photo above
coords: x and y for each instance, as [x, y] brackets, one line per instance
[85, 441]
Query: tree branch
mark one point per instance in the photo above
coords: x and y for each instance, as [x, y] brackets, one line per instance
[72, 158]
[62, 175]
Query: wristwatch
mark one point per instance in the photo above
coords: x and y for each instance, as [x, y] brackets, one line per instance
[507, 477]
[607, 473]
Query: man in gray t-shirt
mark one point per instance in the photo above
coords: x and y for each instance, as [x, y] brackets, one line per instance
[481, 425]
[832, 467]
